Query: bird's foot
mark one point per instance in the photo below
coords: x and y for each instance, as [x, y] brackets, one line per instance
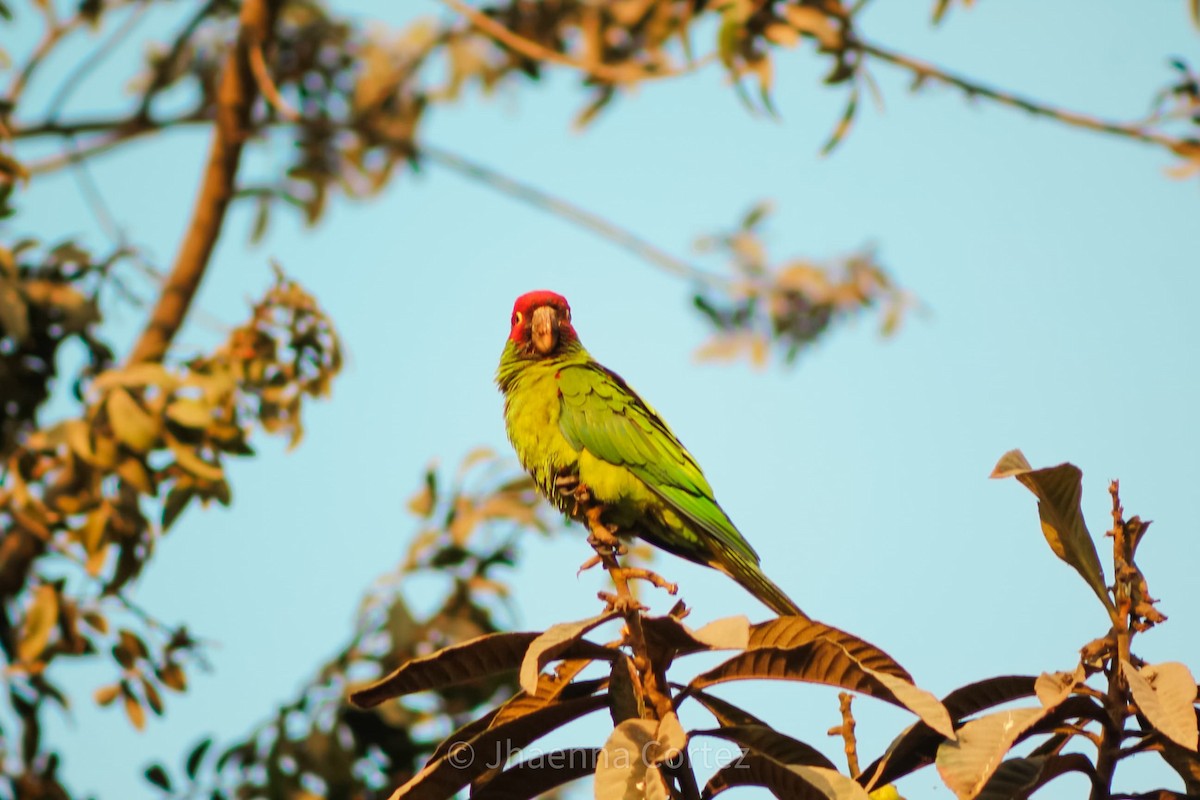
[637, 573]
[569, 486]
[601, 535]
[622, 604]
[594, 561]
[606, 544]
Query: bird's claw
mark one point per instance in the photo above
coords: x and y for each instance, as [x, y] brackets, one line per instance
[606, 544]
[591, 562]
[621, 604]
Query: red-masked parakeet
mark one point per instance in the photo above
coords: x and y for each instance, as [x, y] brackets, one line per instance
[575, 423]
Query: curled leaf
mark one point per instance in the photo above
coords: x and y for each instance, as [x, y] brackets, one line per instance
[1058, 490]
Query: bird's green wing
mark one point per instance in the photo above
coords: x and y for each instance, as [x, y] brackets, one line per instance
[600, 413]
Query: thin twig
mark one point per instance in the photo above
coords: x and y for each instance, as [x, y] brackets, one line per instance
[89, 149]
[606, 546]
[162, 73]
[1108, 751]
[846, 731]
[544, 201]
[604, 73]
[93, 197]
[55, 31]
[924, 70]
[88, 65]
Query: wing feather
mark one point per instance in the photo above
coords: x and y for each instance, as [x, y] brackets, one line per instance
[601, 414]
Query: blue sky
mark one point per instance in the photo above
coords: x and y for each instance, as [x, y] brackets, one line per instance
[1058, 268]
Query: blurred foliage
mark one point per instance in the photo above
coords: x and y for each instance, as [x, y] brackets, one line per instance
[47, 298]
[83, 502]
[792, 305]
[1107, 709]
[319, 745]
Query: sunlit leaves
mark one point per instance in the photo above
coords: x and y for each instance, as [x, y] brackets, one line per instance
[557, 640]
[627, 769]
[40, 621]
[1058, 490]
[471, 660]
[789, 305]
[1165, 693]
[149, 439]
[966, 764]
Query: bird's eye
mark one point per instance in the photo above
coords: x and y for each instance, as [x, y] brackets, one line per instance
[517, 317]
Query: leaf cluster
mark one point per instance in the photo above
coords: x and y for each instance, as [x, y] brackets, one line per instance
[1062, 721]
[791, 305]
[84, 501]
[318, 744]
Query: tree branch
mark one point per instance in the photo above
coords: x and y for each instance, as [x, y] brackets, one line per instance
[55, 31]
[235, 98]
[923, 70]
[85, 67]
[604, 73]
[544, 201]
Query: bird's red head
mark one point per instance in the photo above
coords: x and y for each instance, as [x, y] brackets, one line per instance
[541, 322]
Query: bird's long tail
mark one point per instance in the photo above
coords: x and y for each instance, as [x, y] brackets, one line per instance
[755, 581]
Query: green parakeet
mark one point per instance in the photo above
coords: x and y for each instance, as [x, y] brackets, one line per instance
[574, 422]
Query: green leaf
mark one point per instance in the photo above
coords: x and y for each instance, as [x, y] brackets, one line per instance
[1058, 490]
[1165, 693]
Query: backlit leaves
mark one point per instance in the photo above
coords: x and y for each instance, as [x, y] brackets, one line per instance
[798, 648]
[967, 763]
[471, 660]
[789, 305]
[1165, 693]
[41, 619]
[556, 641]
[1058, 490]
[91, 489]
[627, 769]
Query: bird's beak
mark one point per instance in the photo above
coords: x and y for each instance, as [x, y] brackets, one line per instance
[544, 329]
